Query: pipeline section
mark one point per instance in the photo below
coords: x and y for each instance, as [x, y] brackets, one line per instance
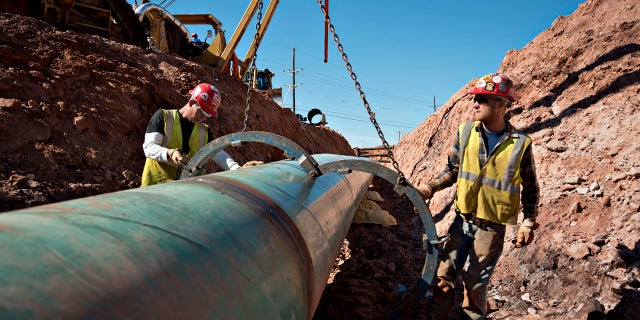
[255, 243]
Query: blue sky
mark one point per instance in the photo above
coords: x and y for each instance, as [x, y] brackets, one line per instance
[404, 53]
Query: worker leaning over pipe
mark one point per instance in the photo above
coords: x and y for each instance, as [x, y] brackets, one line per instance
[492, 164]
[174, 136]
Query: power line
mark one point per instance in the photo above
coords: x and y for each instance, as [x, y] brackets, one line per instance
[347, 86]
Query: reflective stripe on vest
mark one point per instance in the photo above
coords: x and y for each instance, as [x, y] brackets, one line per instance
[173, 134]
[160, 172]
[493, 191]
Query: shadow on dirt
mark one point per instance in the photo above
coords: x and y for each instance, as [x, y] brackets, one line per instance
[629, 306]
[616, 85]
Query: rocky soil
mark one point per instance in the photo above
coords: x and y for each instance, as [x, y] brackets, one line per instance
[74, 108]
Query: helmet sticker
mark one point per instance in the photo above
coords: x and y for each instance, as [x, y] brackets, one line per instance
[490, 86]
[204, 96]
[497, 79]
[195, 92]
[502, 87]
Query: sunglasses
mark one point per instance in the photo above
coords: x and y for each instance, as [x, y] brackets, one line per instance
[201, 111]
[484, 99]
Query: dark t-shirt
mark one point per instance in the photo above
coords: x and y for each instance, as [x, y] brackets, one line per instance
[156, 124]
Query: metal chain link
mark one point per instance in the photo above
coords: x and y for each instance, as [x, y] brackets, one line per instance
[372, 115]
[252, 69]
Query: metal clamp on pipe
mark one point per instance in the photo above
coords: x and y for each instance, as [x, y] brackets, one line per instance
[406, 189]
[290, 148]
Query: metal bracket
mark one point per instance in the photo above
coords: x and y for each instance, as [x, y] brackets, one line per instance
[290, 148]
[406, 189]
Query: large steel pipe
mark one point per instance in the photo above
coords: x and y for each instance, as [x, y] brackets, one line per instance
[256, 243]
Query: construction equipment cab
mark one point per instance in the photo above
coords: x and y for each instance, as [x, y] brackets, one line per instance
[263, 83]
[262, 79]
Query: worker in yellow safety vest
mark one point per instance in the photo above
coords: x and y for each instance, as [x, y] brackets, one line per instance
[174, 136]
[492, 164]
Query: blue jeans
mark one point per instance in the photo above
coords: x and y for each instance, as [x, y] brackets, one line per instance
[472, 252]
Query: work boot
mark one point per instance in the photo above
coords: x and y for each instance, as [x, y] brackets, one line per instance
[443, 295]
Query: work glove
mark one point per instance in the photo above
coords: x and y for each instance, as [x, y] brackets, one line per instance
[176, 156]
[426, 192]
[252, 163]
[525, 232]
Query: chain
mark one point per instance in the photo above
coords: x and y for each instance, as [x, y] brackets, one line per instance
[372, 115]
[252, 69]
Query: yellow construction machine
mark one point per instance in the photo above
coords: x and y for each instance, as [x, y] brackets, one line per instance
[113, 19]
[167, 33]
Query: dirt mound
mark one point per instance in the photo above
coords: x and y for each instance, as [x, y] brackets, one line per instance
[74, 109]
[577, 89]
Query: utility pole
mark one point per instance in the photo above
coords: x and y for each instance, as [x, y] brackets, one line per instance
[293, 75]
[434, 104]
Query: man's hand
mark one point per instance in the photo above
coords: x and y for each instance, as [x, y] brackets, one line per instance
[252, 163]
[176, 156]
[525, 232]
[426, 192]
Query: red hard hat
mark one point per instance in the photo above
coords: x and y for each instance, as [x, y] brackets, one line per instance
[208, 97]
[494, 84]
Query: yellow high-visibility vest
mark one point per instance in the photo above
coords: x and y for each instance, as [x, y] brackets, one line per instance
[490, 192]
[159, 172]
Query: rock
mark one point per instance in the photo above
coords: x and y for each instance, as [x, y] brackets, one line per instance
[35, 66]
[81, 123]
[613, 152]
[575, 208]
[593, 249]
[582, 190]
[34, 184]
[578, 250]
[585, 143]
[574, 180]
[492, 305]
[17, 180]
[127, 174]
[37, 75]
[556, 146]
[9, 103]
[600, 239]
[619, 177]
